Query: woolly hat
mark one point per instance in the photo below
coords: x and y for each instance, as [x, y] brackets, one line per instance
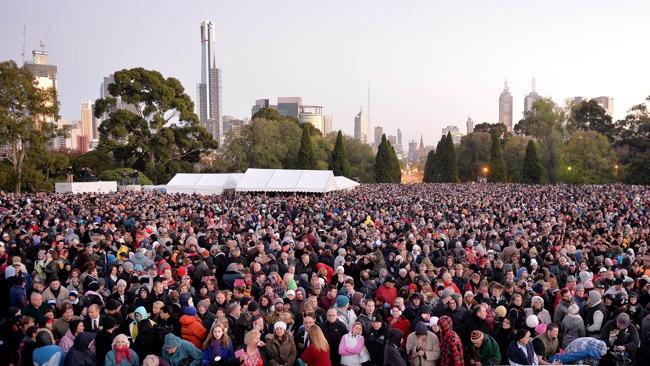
[594, 297]
[342, 301]
[189, 310]
[538, 288]
[420, 329]
[574, 309]
[476, 335]
[532, 321]
[280, 324]
[253, 306]
[623, 320]
[537, 298]
[540, 328]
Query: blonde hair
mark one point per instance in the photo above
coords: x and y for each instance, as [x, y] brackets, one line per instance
[317, 338]
[250, 335]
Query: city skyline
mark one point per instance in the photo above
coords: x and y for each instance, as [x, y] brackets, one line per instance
[424, 61]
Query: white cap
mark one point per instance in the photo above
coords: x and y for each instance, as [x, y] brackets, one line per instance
[280, 324]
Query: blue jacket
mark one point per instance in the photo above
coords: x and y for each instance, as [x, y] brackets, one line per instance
[110, 359]
[18, 296]
[51, 355]
[210, 353]
[184, 349]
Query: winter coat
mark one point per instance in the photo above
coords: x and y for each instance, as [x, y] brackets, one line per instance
[110, 360]
[80, 354]
[402, 324]
[215, 349]
[67, 341]
[184, 350]
[60, 299]
[488, 353]
[431, 350]
[392, 352]
[375, 343]
[451, 347]
[333, 332]
[192, 330]
[573, 327]
[281, 352]
[313, 357]
[628, 337]
[516, 355]
[51, 355]
[353, 350]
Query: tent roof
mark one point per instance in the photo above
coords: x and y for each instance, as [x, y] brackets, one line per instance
[286, 180]
[345, 183]
[203, 183]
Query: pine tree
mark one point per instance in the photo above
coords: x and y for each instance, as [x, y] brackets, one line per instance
[453, 163]
[441, 153]
[339, 163]
[306, 155]
[429, 167]
[532, 168]
[497, 163]
[386, 163]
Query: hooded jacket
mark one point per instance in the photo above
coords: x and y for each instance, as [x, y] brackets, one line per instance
[451, 347]
[184, 350]
[392, 352]
[80, 354]
[192, 330]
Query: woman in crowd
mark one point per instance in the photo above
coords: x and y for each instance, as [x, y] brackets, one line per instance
[121, 354]
[218, 346]
[318, 351]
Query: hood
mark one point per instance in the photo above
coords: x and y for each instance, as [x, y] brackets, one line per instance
[141, 310]
[186, 320]
[446, 326]
[83, 339]
[395, 336]
[232, 267]
[171, 341]
[594, 298]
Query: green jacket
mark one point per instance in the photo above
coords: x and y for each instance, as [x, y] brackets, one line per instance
[489, 353]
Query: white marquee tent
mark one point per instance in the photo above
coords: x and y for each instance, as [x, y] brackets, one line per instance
[286, 180]
[203, 183]
[343, 183]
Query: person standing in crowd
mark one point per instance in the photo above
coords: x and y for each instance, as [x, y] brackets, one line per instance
[393, 352]
[451, 347]
[422, 346]
[280, 347]
[121, 354]
[353, 347]
[520, 351]
[218, 346]
[485, 350]
[80, 354]
[334, 330]
[547, 344]
[177, 351]
[318, 351]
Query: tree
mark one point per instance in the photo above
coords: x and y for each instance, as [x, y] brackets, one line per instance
[589, 116]
[164, 132]
[25, 110]
[532, 169]
[114, 175]
[497, 164]
[429, 172]
[339, 163]
[97, 160]
[387, 169]
[499, 128]
[473, 155]
[306, 155]
[587, 158]
[513, 154]
[545, 122]
[447, 166]
[638, 170]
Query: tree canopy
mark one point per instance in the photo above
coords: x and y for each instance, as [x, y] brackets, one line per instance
[339, 163]
[163, 135]
[306, 155]
[387, 168]
[589, 116]
[497, 163]
[532, 169]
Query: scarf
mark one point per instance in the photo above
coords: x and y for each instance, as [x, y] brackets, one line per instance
[122, 352]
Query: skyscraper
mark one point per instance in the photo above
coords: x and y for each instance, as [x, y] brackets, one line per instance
[531, 98]
[470, 125]
[379, 131]
[361, 127]
[88, 123]
[45, 75]
[259, 104]
[505, 108]
[607, 103]
[312, 114]
[399, 137]
[209, 90]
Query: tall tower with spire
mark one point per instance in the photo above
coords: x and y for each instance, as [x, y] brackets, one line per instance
[209, 90]
[505, 106]
[531, 98]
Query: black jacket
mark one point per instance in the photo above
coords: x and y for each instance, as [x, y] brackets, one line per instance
[80, 354]
[333, 332]
[392, 354]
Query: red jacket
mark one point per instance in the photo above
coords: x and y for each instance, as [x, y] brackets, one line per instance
[402, 324]
[313, 357]
[192, 330]
[390, 294]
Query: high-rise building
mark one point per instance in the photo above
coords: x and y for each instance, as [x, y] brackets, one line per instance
[379, 131]
[530, 99]
[209, 90]
[259, 104]
[119, 104]
[289, 106]
[312, 114]
[231, 124]
[361, 127]
[327, 120]
[399, 137]
[44, 73]
[470, 125]
[413, 151]
[607, 104]
[88, 122]
[505, 108]
[455, 133]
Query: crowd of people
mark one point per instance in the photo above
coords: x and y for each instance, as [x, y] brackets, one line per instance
[420, 275]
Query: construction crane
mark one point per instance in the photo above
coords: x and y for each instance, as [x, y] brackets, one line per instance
[22, 53]
[45, 37]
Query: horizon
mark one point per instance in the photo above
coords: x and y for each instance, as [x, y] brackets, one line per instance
[428, 65]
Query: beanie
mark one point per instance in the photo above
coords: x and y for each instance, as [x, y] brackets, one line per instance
[476, 335]
[342, 301]
[532, 321]
[501, 311]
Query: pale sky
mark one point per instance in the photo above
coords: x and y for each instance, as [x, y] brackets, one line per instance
[429, 63]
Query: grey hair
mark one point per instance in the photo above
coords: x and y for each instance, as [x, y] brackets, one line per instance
[118, 337]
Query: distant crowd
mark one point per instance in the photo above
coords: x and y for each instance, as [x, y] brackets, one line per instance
[421, 275]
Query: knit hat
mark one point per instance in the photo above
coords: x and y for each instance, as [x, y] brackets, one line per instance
[594, 297]
[501, 311]
[574, 309]
[342, 301]
[540, 328]
[253, 306]
[532, 321]
[538, 288]
[420, 329]
[189, 310]
[476, 335]
[537, 298]
[280, 324]
[433, 320]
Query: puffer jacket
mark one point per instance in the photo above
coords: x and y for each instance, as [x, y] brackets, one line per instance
[192, 330]
[185, 351]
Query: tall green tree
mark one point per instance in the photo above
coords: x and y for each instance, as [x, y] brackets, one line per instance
[532, 169]
[25, 110]
[473, 155]
[513, 154]
[339, 163]
[497, 164]
[447, 165]
[387, 169]
[638, 170]
[441, 153]
[587, 158]
[162, 135]
[306, 155]
[429, 172]
[589, 116]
